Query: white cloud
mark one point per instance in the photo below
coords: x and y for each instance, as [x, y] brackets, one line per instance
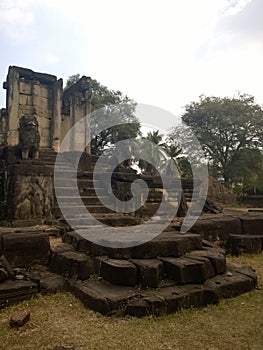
[16, 18]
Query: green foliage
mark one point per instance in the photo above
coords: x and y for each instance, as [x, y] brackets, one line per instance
[226, 127]
[109, 106]
[153, 152]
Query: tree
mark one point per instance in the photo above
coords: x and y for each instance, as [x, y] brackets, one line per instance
[247, 171]
[225, 127]
[109, 107]
[153, 151]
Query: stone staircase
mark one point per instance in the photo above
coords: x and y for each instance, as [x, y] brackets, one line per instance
[158, 277]
[86, 188]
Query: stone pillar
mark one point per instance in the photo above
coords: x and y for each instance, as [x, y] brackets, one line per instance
[12, 97]
[87, 121]
[35, 97]
[56, 112]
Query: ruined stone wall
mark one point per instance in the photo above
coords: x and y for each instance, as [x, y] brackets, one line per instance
[32, 93]
[2, 128]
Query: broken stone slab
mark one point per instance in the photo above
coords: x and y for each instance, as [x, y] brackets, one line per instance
[184, 270]
[100, 295]
[26, 248]
[238, 244]
[217, 259]
[19, 319]
[120, 272]
[15, 291]
[149, 272]
[71, 264]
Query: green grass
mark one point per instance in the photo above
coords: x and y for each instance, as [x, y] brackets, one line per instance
[235, 324]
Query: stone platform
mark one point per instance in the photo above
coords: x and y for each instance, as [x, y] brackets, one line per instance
[162, 276]
[168, 273]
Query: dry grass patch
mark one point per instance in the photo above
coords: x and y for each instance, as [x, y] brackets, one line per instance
[60, 319]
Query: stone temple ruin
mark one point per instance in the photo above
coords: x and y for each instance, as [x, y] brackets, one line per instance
[163, 275]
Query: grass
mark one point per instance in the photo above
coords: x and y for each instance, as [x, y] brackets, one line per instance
[61, 320]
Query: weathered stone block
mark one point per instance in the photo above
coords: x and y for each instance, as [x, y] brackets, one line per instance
[19, 318]
[243, 269]
[71, 264]
[150, 305]
[150, 272]
[14, 291]
[88, 296]
[51, 284]
[252, 225]
[4, 263]
[207, 268]
[26, 249]
[238, 244]
[3, 274]
[179, 297]
[217, 260]
[183, 270]
[230, 285]
[217, 228]
[118, 271]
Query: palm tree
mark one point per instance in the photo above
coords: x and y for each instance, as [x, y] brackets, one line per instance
[152, 151]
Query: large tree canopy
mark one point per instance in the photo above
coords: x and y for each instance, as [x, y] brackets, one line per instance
[105, 104]
[224, 128]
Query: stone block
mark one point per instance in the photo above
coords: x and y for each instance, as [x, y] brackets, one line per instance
[19, 318]
[25, 88]
[217, 228]
[207, 268]
[243, 269]
[217, 259]
[252, 225]
[44, 92]
[184, 270]
[51, 284]
[230, 284]
[180, 297]
[71, 264]
[3, 274]
[88, 296]
[150, 272]
[117, 271]
[150, 305]
[12, 292]
[238, 244]
[4, 263]
[26, 249]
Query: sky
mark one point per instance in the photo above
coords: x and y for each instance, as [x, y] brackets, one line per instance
[163, 53]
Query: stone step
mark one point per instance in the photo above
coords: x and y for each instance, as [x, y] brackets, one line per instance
[71, 264]
[239, 244]
[87, 200]
[14, 291]
[167, 244]
[85, 191]
[106, 298]
[188, 270]
[25, 248]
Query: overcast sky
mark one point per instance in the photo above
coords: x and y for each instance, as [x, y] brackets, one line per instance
[165, 53]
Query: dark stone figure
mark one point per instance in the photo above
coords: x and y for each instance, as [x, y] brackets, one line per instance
[29, 138]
